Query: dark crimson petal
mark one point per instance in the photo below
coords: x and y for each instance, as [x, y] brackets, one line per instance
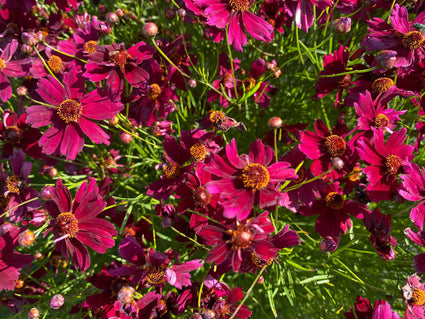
[98, 226]
[93, 131]
[135, 75]
[95, 72]
[233, 157]
[258, 28]
[94, 241]
[188, 266]
[5, 88]
[72, 142]
[39, 115]
[51, 91]
[17, 69]
[62, 197]
[419, 263]
[218, 254]
[240, 206]
[98, 106]
[130, 250]
[79, 253]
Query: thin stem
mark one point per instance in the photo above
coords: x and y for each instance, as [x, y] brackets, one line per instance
[66, 54]
[47, 66]
[348, 72]
[21, 204]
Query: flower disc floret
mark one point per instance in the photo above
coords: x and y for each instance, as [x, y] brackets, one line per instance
[418, 297]
[55, 63]
[201, 197]
[336, 145]
[15, 184]
[260, 262]
[67, 224]
[255, 176]
[4, 201]
[216, 117]
[239, 5]
[241, 237]
[90, 46]
[171, 171]
[69, 111]
[13, 135]
[198, 151]
[381, 120]
[154, 91]
[382, 85]
[119, 58]
[393, 164]
[413, 40]
[155, 275]
[334, 200]
[2, 64]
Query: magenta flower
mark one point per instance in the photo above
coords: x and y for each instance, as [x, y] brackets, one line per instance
[414, 297]
[333, 64]
[153, 268]
[302, 11]
[379, 226]
[401, 37]
[235, 16]
[363, 309]
[417, 238]
[251, 236]
[333, 210]
[413, 189]
[114, 63]
[75, 224]
[247, 180]
[8, 68]
[70, 113]
[321, 146]
[387, 160]
[11, 261]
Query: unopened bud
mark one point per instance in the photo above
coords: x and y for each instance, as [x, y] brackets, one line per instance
[46, 192]
[181, 13]
[260, 280]
[102, 9]
[337, 162]
[125, 295]
[271, 66]
[386, 59]
[328, 244]
[150, 30]
[342, 25]
[191, 83]
[29, 38]
[22, 90]
[274, 122]
[38, 256]
[170, 14]
[53, 172]
[5, 228]
[112, 17]
[26, 49]
[126, 137]
[208, 314]
[57, 301]
[34, 313]
[120, 13]
[26, 238]
[114, 120]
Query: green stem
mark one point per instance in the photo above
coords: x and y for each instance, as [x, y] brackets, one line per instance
[66, 54]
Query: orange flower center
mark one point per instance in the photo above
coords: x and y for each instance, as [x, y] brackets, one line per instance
[355, 174]
[216, 117]
[381, 120]
[69, 111]
[4, 201]
[334, 200]
[198, 151]
[413, 40]
[382, 85]
[171, 171]
[344, 83]
[2, 64]
[336, 145]
[249, 83]
[201, 197]
[155, 276]
[67, 224]
[119, 57]
[15, 184]
[90, 46]
[154, 92]
[393, 164]
[255, 176]
[239, 5]
[55, 63]
[418, 297]
[260, 262]
[176, 58]
[241, 237]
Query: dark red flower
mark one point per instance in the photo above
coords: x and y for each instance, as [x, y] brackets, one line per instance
[75, 224]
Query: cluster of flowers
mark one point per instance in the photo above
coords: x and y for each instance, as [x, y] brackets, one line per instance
[222, 198]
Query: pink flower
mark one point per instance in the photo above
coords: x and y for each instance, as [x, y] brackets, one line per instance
[70, 112]
[414, 297]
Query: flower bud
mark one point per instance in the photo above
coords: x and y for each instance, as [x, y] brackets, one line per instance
[271, 66]
[196, 315]
[26, 238]
[53, 172]
[337, 162]
[191, 83]
[22, 90]
[5, 228]
[274, 122]
[342, 25]
[114, 120]
[150, 30]
[328, 244]
[26, 49]
[112, 17]
[260, 280]
[46, 192]
[170, 14]
[38, 256]
[29, 38]
[125, 295]
[126, 137]
[57, 301]
[120, 13]
[34, 313]
[181, 13]
[386, 59]
[102, 9]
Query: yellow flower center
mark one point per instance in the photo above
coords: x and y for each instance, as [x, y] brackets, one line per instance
[255, 176]
[155, 276]
[354, 174]
[336, 145]
[381, 120]
[2, 64]
[55, 63]
[69, 111]
[393, 164]
[198, 151]
[216, 117]
[260, 262]
[413, 40]
[418, 297]
[67, 224]
[119, 57]
[15, 184]
[154, 91]
[90, 46]
[382, 85]
[241, 237]
[334, 200]
[171, 171]
[239, 5]
[201, 197]
[249, 83]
